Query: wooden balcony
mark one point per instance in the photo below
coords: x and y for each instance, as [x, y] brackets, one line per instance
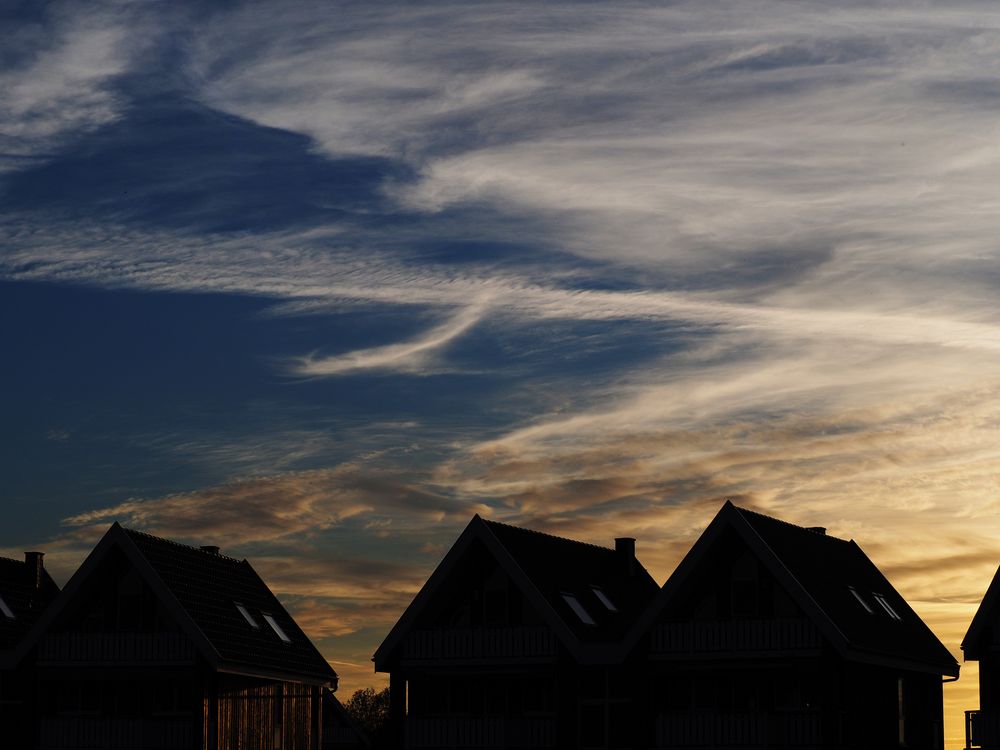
[480, 644]
[115, 648]
[116, 734]
[736, 636]
[433, 733]
[982, 730]
[734, 730]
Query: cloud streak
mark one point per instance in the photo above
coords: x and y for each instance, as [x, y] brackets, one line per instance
[414, 356]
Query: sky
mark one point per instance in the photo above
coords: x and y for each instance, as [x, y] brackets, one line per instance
[317, 282]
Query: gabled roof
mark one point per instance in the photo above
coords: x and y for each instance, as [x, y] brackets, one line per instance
[22, 598]
[201, 588]
[818, 572]
[972, 643]
[545, 567]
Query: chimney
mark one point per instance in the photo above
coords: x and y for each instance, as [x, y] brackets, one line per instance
[210, 549]
[625, 548]
[817, 529]
[35, 568]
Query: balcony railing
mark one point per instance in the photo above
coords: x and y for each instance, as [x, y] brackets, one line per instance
[735, 636]
[116, 734]
[734, 730]
[982, 730]
[467, 733]
[480, 643]
[116, 648]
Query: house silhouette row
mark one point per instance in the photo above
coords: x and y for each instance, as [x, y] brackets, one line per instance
[767, 634]
[155, 645]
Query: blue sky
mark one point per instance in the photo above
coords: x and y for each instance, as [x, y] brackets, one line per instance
[318, 281]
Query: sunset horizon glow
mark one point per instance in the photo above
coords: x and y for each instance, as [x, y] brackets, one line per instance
[316, 283]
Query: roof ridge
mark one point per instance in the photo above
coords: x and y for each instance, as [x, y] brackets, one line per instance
[215, 555]
[4, 558]
[790, 524]
[547, 535]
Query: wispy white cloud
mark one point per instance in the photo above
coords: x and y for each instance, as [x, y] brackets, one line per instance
[62, 86]
[414, 356]
[808, 193]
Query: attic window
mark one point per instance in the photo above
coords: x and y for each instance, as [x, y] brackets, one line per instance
[575, 605]
[887, 607]
[276, 628]
[604, 599]
[7, 612]
[861, 601]
[247, 616]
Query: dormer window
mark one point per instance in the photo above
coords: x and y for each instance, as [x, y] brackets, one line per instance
[604, 599]
[251, 620]
[887, 607]
[7, 611]
[861, 601]
[276, 627]
[575, 605]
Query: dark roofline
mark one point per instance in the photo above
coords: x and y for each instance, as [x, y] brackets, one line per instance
[118, 535]
[174, 543]
[735, 517]
[970, 643]
[544, 534]
[325, 676]
[122, 537]
[479, 528]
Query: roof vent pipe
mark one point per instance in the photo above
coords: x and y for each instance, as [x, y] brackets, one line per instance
[210, 549]
[625, 548]
[36, 568]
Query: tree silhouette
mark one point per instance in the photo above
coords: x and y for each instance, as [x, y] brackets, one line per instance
[370, 709]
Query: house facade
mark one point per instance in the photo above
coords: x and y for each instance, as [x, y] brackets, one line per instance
[775, 635]
[514, 642]
[766, 635]
[157, 645]
[26, 591]
[982, 644]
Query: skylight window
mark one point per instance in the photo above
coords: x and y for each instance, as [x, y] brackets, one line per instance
[7, 612]
[861, 601]
[575, 605]
[247, 616]
[604, 599]
[887, 607]
[276, 627]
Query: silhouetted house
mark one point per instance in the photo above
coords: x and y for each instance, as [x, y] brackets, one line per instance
[26, 590]
[515, 641]
[982, 644]
[154, 644]
[774, 635]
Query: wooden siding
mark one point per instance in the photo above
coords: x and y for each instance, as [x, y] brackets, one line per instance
[261, 717]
